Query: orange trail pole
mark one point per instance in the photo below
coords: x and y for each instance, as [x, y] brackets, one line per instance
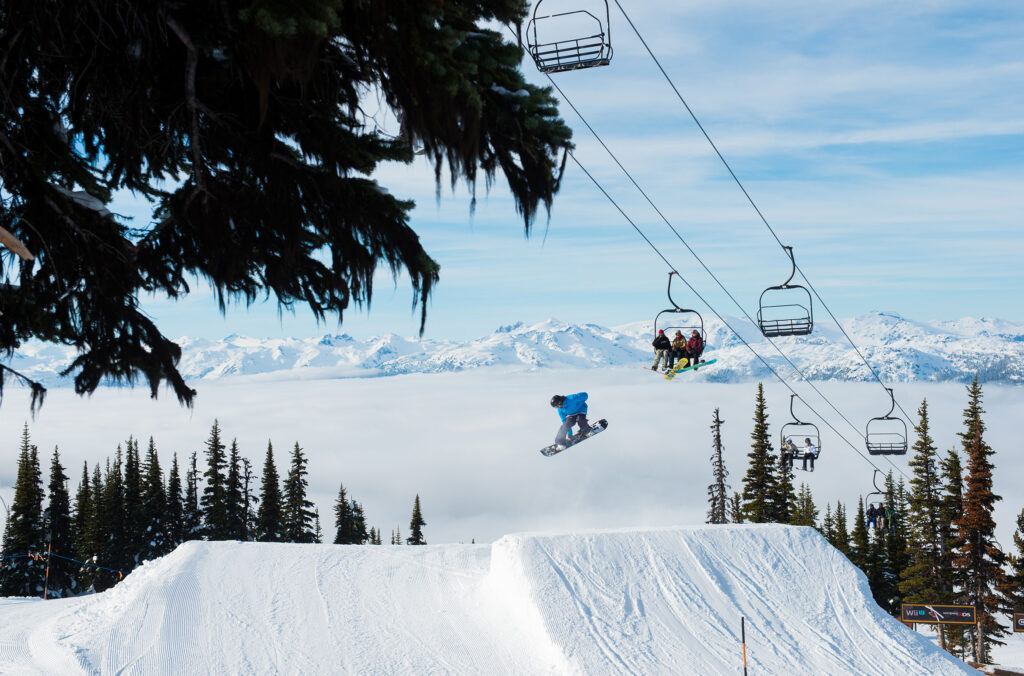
[46, 585]
[743, 638]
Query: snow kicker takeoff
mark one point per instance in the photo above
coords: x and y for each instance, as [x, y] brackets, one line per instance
[572, 410]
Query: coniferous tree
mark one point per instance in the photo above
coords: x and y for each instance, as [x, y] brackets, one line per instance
[375, 536]
[860, 544]
[156, 540]
[784, 499]
[192, 521]
[270, 516]
[270, 148]
[214, 502]
[234, 496]
[359, 518]
[396, 536]
[978, 560]
[828, 526]
[85, 509]
[805, 512]
[249, 500]
[842, 538]
[343, 519]
[924, 579]
[98, 530]
[718, 490]
[59, 533]
[133, 536]
[113, 551]
[735, 509]
[24, 534]
[297, 513]
[318, 533]
[416, 524]
[175, 511]
[891, 545]
[1017, 568]
[760, 486]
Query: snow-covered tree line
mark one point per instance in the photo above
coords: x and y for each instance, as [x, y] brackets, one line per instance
[938, 545]
[127, 511]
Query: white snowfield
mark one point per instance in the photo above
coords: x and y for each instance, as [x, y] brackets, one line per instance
[664, 601]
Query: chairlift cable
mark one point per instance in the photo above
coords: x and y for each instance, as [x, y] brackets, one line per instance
[722, 286]
[717, 314]
[751, 199]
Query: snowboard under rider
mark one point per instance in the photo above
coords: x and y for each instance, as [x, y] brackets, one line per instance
[572, 410]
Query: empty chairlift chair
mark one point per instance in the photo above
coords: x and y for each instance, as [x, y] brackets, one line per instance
[786, 309]
[569, 40]
[800, 433]
[887, 434]
[683, 319]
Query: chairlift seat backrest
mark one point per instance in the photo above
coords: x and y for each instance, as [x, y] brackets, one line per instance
[576, 49]
[795, 316]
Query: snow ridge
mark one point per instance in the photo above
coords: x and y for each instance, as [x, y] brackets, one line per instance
[652, 601]
[900, 350]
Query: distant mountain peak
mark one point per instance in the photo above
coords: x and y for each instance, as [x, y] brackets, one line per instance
[899, 349]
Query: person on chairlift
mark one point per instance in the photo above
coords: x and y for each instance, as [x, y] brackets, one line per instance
[662, 348]
[694, 347]
[788, 451]
[810, 453]
[678, 350]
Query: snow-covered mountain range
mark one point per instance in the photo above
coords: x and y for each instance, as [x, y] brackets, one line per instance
[899, 349]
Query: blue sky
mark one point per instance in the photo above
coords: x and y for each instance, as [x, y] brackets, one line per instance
[884, 142]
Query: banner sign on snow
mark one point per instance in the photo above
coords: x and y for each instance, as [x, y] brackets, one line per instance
[938, 614]
[1018, 621]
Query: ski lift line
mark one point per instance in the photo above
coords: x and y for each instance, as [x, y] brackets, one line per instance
[749, 198]
[566, 98]
[686, 244]
[717, 314]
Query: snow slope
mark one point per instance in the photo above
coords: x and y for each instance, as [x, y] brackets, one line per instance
[639, 602]
[900, 349]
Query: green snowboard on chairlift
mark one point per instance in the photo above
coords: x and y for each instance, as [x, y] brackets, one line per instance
[672, 373]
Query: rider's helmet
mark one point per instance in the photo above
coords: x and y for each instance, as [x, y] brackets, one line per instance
[557, 401]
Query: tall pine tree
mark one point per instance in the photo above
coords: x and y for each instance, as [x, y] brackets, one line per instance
[718, 490]
[760, 486]
[192, 521]
[270, 515]
[214, 502]
[416, 524]
[24, 535]
[59, 534]
[236, 509]
[156, 538]
[978, 560]
[175, 506]
[297, 513]
[924, 579]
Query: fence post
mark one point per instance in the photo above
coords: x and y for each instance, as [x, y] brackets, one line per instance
[743, 638]
[46, 584]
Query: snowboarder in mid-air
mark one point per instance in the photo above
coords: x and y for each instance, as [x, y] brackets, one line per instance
[573, 411]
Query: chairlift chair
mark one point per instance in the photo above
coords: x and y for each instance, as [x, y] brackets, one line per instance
[785, 313]
[887, 434]
[696, 322]
[584, 43]
[800, 430]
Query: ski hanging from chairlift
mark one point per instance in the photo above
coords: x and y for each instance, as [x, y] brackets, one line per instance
[571, 39]
[785, 314]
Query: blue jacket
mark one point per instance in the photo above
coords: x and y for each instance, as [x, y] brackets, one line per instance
[573, 404]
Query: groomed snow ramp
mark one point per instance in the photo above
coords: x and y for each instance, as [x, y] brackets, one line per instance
[664, 601]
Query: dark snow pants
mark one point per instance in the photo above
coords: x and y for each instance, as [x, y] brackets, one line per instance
[575, 419]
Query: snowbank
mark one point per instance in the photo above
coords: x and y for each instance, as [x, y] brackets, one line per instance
[644, 602]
